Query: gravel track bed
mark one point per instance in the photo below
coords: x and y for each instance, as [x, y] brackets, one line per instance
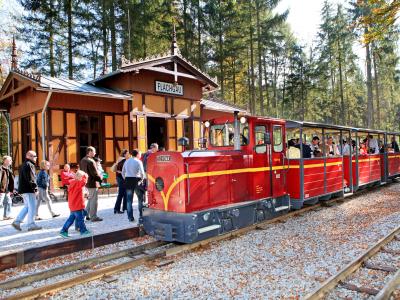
[286, 260]
[51, 263]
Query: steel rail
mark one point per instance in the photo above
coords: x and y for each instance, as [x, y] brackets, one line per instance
[332, 282]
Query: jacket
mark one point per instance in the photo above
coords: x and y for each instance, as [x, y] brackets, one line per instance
[43, 179]
[88, 166]
[6, 180]
[75, 194]
[27, 178]
[66, 177]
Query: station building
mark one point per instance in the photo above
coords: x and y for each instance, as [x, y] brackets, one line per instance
[156, 99]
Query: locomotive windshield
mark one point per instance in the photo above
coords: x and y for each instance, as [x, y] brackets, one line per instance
[221, 135]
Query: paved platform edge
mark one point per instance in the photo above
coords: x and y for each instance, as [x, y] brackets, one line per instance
[35, 254]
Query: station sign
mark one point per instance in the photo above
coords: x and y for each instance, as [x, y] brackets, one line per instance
[169, 88]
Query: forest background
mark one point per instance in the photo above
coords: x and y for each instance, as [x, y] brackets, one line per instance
[246, 45]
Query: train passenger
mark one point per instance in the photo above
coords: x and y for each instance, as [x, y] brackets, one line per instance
[292, 151]
[373, 146]
[330, 148]
[395, 146]
[133, 173]
[345, 148]
[363, 149]
[316, 151]
[307, 153]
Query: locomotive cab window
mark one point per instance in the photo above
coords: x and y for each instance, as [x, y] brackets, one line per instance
[259, 137]
[222, 135]
[277, 135]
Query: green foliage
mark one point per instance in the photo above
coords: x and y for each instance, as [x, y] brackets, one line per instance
[245, 44]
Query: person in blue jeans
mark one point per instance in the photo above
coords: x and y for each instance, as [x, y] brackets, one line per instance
[133, 173]
[76, 205]
[121, 183]
[27, 187]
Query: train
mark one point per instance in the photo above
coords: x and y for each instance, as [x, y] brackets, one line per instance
[245, 173]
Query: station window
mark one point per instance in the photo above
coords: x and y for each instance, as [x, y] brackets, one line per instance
[278, 145]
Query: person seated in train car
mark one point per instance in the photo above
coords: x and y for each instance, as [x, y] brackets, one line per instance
[330, 148]
[316, 151]
[381, 147]
[353, 145]
[373, 146]
[292, 151]
[307, 152]
[363, 148]
[345, 148]
[394, 145]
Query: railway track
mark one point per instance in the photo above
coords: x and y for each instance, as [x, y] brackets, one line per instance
[342, 279]
[135, 257]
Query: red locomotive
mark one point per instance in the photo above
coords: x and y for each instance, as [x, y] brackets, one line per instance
[246, 175]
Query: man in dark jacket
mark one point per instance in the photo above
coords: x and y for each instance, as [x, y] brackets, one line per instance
[6, 186]
[88, 165]
[28, 189]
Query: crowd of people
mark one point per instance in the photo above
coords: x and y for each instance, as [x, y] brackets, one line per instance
[369, 145]
[34, 187]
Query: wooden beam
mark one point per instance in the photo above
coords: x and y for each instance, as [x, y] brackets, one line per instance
[13, 92]
[173, 73]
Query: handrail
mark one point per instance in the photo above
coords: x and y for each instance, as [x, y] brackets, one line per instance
[188, 182]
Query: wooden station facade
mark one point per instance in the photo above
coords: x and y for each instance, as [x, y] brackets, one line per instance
[157, 99]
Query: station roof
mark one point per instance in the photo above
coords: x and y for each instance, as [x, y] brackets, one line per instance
[44, 83]
[218, 105]
[79, 87]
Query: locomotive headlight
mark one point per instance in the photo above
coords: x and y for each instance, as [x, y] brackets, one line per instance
[243, 120]
[159, 184]
[206, 216]
[207, 124]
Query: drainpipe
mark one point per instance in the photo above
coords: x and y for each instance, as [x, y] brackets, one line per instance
[5, 114]
[236, 132]
[9, 145]
[43, 122]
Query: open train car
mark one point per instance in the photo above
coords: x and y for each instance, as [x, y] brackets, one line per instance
[317, 173]
[238, 181]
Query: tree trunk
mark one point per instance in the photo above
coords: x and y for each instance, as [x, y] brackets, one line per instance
[376, 80]
[370, 103]
[252, 94]
[185, 30]
[113, 37]
[199, 18]
[343, 115]
[234, 80]
[221, 49]
[51, 42]
[104, 30]
[259, 46]
[70, 47]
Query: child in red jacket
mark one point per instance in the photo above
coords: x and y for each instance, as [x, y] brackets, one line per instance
[76, 205]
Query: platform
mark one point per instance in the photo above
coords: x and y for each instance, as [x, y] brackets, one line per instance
[19, 247]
